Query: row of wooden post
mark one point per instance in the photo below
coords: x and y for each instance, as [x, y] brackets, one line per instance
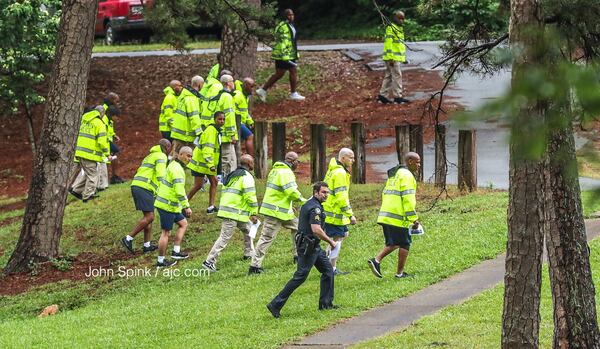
[408, 138]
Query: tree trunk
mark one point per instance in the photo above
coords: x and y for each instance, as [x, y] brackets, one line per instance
[575, 323]
[522, 279]
[30, 129]
[42, 222]
[238, 47]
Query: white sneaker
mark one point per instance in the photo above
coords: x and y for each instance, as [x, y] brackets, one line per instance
[296, 97]
[262, 94]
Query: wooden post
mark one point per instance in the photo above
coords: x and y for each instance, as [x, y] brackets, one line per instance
[318, 152]
[467, 160]
[261, 149]
[359, 169]
[440, 156]
[402, 142]
[278, 143]
[416, 145]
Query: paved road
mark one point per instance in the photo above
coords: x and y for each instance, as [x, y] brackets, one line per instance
[403, 312]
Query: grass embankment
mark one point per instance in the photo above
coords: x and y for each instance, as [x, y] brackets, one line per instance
[227, 308]
[478, 322]
[588, 159]
[100, 47]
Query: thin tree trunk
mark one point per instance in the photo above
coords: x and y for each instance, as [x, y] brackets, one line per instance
[521, 317]
[238, 47]
[573, 293]
[42, 222]
[30, 129]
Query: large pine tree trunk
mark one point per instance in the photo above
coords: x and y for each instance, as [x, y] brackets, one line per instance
[42, 222]
[575, 324]
[521, 317]
[238, 48]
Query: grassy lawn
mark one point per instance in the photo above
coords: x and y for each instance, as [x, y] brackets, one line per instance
[311, 78]
[225, 309]
[588, 159]
[478, 322]
[99, 46]
[591, 202]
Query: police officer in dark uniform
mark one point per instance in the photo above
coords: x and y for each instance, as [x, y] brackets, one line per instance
[310, 233]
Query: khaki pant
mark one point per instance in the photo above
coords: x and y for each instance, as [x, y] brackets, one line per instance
[177, 145]
[271, 227]
[392, 81]
[228, 158]
[227, 228]
[102, 175]
[86, 185]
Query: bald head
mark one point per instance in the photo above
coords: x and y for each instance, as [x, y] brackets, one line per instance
[197, 82]
[225, 72]
[247, 161]
[412, 161]
[291, 156]
[100, 109]
[165, 145]
[185, 150]
[113, 98]
[346, 157]
[248, 85]
[226, 78]
[185, 155]
[411, 155]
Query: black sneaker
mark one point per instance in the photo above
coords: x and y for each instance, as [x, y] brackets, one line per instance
[255, 270]
[212, 210]
[95, 196]
[127, 244]
[246, 258]
[329, 307]
[150, 249]
[403, 275]
[401, 100]
[375, 267]
[116, 180]
[383, 100]
[339, 272]
[179, 255]
[274, 311]
[77, 195]
[165, 263]
[209, 266]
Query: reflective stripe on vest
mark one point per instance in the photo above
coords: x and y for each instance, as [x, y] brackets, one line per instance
[334, 215]
[168, 202]
[145, 180]
[399, 193]
[392, 215]
[275, 208]
[281, 188]
[234, 210]
[89, 151]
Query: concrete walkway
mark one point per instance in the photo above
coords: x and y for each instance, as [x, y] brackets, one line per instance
[403, 312]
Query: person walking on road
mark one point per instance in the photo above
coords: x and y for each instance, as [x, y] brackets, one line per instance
[238, 207]
[397, 214]
[394, 55]
[277, 207]
[310, 234]
[143, 190]
[285, 55]
[173, 207]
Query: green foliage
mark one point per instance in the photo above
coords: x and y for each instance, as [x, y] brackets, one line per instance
[61, 264]
[28, 32]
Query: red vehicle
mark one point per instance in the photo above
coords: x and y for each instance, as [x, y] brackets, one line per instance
[120, 19]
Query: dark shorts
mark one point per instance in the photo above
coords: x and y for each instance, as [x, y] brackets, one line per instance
[285, 65]
[143, 199]
[396, 236]
[166, 135]
[333, 230]
[245, 131]
[167, 219]
[114, 149]
[197, 174]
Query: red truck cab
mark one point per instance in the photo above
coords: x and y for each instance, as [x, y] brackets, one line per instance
[120, 19]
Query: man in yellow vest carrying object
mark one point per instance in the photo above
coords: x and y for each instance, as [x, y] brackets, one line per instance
[394, 55]
[167, 108]
[238, 208]
[143, 190]
[91, 149]
[205, 160]
[397, 214]
[173, 207]
[338, 212]
[277, 207]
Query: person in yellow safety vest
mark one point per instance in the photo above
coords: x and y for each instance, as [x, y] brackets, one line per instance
[238, 207]
[229, 134]
[285, 54]
[240, 99]
[214, 71]
[338, 212]
[277, 207]
[205, 161]
[173, 207]
[186, 119]
[111, 109]
[143, 190]
[91, 149]
[210, 91]
[394, 54]
[397, 215]
[167, 108]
